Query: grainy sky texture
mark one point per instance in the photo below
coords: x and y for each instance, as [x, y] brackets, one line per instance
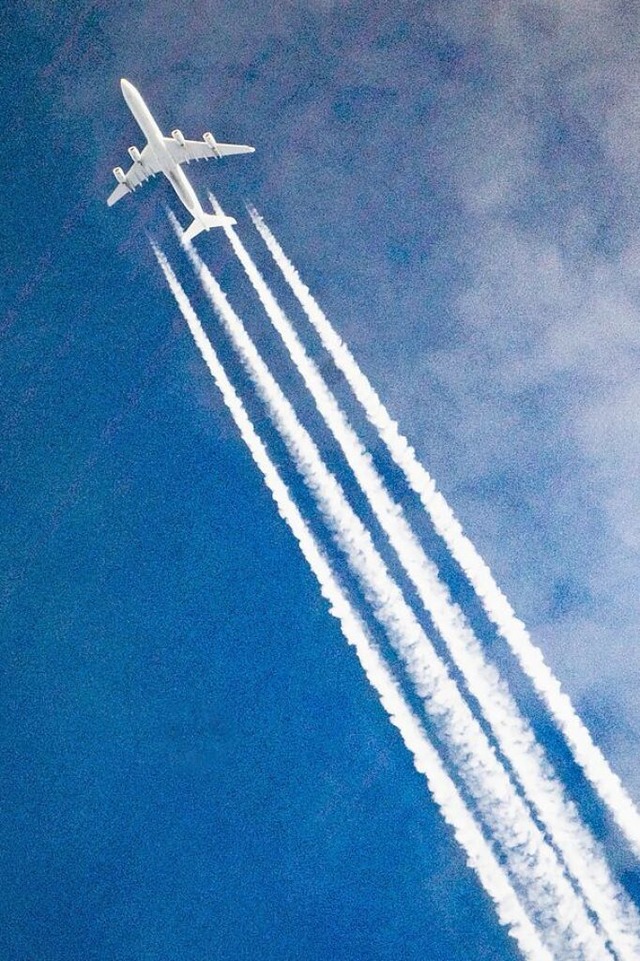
[193, 764]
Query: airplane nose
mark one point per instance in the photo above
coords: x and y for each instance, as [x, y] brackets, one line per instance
[129, 92]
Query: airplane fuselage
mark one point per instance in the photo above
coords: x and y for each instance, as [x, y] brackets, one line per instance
[156, 140]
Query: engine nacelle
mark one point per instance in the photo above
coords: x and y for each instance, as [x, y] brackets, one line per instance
[134, 153]
[178, 136]
[210, 141]
[120, 175]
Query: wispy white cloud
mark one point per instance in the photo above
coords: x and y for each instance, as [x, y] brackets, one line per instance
[532, 410]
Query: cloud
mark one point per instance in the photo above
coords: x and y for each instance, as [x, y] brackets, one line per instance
[541, 386]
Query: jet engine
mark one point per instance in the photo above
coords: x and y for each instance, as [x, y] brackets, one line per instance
[120, 175]
[178, 136]
[210, 141]
[134, 153]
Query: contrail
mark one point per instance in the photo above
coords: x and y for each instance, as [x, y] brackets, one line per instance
[513, 734]
[425, 758]
[597, 770]
[531, 861]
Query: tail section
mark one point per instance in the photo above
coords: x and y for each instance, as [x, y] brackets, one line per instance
[206, 222]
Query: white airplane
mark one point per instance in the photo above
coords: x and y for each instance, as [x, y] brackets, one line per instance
[165, 155]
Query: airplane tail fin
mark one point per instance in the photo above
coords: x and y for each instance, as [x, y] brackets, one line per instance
[206, 223]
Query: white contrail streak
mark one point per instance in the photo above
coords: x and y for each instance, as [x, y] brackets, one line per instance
[586, 753]
[425, 758]
[532, 863]
[513, 734]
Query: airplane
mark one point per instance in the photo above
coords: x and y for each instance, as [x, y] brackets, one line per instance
[165, 155]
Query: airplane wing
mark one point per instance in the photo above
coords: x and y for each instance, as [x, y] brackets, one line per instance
[190, 150]
[137, 174]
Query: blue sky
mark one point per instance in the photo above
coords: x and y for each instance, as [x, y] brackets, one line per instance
[195, 765]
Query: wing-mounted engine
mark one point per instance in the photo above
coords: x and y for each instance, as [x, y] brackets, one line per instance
[135, 155]
[120, 175]
[178, 136]
[210, 141]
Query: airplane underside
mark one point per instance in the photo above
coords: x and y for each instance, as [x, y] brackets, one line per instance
[166, 155]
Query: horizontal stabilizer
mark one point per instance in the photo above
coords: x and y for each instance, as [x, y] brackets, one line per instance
[206, 223]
